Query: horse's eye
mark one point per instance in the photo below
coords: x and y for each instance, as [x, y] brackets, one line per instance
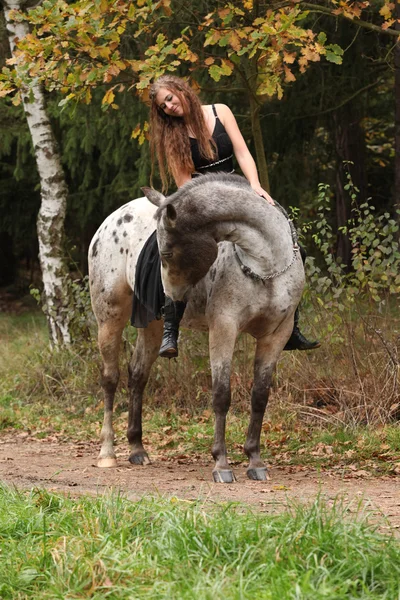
[166, 254]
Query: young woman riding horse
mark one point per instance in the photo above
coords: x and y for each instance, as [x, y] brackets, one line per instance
[189, 139]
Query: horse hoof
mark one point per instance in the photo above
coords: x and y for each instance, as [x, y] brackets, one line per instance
[107, 463]
[224, 476]
[139, 459]
[258, 473]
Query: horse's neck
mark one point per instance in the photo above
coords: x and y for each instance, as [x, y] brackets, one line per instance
[260, 231]
[233, 212]
[252, 242]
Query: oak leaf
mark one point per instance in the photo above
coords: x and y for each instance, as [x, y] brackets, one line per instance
[289, 75]
[289, 57]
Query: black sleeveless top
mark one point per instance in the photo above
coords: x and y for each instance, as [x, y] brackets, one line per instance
[224, 159]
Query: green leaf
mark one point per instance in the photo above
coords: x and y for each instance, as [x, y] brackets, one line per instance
[337, 50]
[334, 58]
[215, 72]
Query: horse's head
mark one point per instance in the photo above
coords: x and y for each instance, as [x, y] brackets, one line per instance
[186, 252]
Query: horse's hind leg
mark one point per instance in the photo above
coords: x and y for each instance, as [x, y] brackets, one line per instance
[264, 365]
[145, 353]
[222, 343]
[110, 333]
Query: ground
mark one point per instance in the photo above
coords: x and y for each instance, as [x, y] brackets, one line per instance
[71, 467]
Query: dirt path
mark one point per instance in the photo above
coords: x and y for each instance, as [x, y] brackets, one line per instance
[27, 462]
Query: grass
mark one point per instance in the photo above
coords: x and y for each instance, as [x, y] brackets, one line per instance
[58, 394]
[108, 547]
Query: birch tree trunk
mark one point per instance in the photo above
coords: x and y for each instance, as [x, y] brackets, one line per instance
[397, 112]
[50, 221]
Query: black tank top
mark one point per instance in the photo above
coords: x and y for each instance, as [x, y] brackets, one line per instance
[224, 159]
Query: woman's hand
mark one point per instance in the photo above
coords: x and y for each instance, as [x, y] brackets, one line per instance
[258, 189]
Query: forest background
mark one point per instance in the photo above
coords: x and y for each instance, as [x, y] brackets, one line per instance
[315, 87]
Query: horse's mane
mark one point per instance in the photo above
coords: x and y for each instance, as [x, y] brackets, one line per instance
[228, 178]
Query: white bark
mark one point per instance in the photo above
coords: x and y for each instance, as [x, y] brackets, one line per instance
[50, 222]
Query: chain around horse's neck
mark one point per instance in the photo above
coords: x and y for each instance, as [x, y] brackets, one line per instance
[250, 273]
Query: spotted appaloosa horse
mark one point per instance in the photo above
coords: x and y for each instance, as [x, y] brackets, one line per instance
[232, 256]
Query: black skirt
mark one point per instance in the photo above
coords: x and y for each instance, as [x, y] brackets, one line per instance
[149, 297]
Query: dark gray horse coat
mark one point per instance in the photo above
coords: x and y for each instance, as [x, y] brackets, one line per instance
[252, 285]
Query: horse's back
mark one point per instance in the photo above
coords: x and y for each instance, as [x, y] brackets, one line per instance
[113, 253]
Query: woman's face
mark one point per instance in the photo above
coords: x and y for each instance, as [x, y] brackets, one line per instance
[169, 103]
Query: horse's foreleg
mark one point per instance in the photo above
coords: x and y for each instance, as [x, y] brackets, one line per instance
[110, 334]
[264, 365]
[145, 353]
[222, 343]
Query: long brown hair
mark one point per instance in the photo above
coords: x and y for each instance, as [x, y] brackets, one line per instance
[169, 137]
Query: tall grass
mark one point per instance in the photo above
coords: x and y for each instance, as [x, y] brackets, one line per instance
[355, 307]
[109, 547]
[348, 381]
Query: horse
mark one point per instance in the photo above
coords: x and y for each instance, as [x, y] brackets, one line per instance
[234, 258]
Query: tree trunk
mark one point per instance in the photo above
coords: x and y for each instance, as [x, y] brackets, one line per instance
[259, 143]
[397, 111]
[248, 73]
[350, 146]
[50, 222]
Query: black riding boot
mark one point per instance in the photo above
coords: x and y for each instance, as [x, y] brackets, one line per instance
[173, 313]
[297, 341]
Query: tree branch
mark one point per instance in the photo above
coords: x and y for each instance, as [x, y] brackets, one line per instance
[327, 11]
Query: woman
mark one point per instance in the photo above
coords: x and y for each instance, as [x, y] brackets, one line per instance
[189, 139]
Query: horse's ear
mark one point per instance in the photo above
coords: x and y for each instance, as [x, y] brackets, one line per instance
[170, 217]
[155, 197]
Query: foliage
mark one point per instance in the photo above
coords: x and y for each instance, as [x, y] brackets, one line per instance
[75, 46]
[79, 311]
[374, 274]
[130, 43]
[104, 169]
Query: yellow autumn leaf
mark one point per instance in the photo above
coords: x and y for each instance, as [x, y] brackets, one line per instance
[165, 4]
[289, 75]
[104, 52]
[113, 70]
[226, 66]
[136, 132]
[289, 57]
[108, 97]
[223, 12]
[131, 11]
[234, 41]
[310, 54]
[212, 38]
[4, 93]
